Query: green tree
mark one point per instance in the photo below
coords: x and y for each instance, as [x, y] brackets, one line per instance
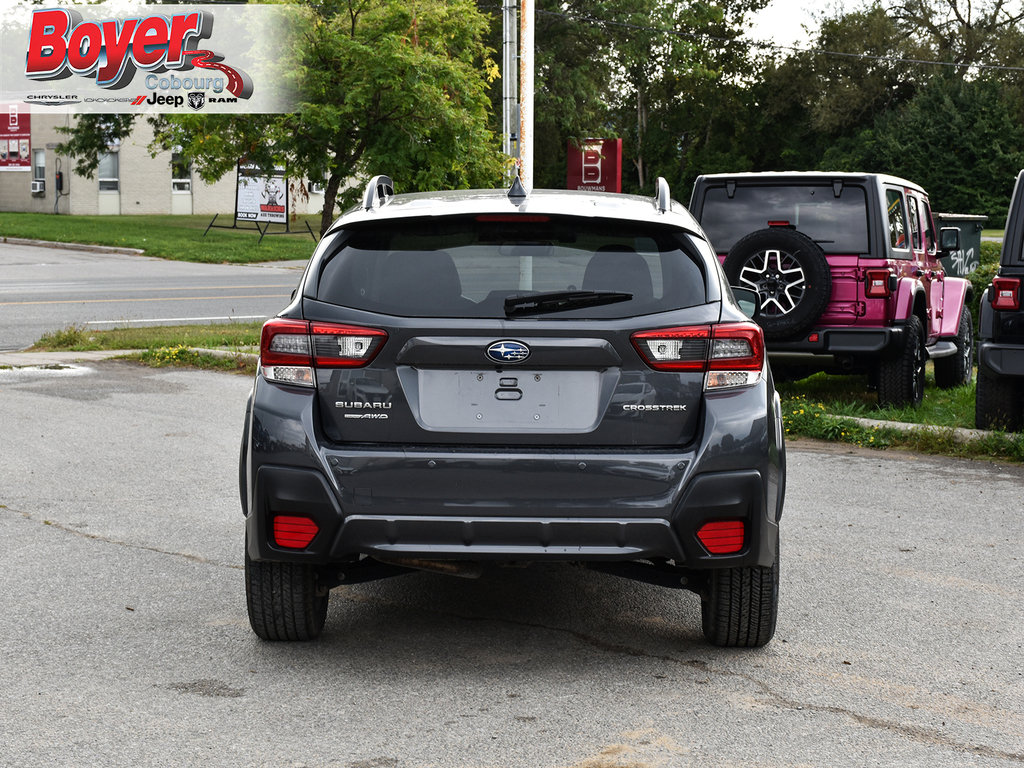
[959, 139]
[385, 86]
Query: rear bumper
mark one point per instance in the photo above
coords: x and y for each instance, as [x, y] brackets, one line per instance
[867, 342]
[1001, 359]
[614, 531]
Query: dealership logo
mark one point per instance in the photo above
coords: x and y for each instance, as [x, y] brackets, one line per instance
[196, 100]
[61, 44]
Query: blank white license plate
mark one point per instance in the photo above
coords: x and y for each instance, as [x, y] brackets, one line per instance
[519, 401]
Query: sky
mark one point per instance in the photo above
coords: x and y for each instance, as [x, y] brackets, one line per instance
[782, 21]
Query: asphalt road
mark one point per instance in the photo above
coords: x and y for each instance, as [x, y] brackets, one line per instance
[46, 289]
[124, 639]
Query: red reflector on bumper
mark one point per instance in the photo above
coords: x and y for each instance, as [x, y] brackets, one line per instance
[294, 532]
[722, 537]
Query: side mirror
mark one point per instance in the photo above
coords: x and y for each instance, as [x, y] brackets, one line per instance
[949, 239]
[750, 301]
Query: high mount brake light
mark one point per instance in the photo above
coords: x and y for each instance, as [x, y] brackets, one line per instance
[730, 354]
[518, 218]
[291, 349]
[1006, 293]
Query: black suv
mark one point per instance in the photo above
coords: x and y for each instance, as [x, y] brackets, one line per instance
[999, 397]
[508, 377]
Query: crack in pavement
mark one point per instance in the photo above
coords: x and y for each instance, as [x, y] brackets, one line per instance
[118, 542]
[916, 733]
[920, 734]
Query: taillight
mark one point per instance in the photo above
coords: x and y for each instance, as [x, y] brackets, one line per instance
[345, 346]
[674, 349]
[284, 352]
[1005, 293]
[722, 537]
[294, 532]
[731, 354]
[878, 283]
[290, 349]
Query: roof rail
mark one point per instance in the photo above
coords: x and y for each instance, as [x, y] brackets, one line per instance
[663, 197]
[379, 192]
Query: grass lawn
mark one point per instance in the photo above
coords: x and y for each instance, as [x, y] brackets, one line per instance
[231, 336]
[169, 237]
[823, 407]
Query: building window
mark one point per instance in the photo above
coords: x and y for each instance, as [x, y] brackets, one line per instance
[181, 173]
[108, 172]
[38, 164]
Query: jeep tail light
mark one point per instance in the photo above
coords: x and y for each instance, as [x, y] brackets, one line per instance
[722, 537]
[294, 532]
[290, 349]
[730, 354]
[878, 283]
[1005, 293]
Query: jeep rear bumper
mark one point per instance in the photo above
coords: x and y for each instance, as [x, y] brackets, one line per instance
[866, 342]
[1001, 359]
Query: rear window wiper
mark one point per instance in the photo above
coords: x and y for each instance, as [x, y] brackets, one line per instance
[561, 301]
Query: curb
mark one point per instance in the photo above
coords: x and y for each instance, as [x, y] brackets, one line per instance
[72, 246]
[960, 434]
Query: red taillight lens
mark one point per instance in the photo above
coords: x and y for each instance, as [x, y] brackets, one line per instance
[722, 537]
[294, 532]
[284, 352]
[1005, 293]
[289, 349]
[345, 346]
[876, 283]
[674, 349]
[732, 354]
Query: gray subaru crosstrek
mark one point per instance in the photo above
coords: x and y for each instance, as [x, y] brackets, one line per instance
[487, 376]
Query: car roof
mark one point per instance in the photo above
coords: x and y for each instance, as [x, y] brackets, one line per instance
[775, 177]
[553, 202]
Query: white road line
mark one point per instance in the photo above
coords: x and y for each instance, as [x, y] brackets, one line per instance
[176, 320]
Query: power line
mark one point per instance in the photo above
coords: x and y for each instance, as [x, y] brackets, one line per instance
[602, 23]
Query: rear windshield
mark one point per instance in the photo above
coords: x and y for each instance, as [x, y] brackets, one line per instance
[468, 266]
[837, 224]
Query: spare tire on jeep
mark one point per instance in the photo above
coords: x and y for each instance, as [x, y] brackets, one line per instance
[791, 274]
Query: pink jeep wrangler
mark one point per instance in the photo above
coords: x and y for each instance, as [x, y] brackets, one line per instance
[847, 268]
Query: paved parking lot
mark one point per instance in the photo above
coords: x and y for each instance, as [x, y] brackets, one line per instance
[124, 639]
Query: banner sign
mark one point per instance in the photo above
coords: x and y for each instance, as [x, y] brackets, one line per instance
[595, 165]
[261, 196]
[15, 138]
[144, 58]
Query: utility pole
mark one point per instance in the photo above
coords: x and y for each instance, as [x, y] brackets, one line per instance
[526, 30]
[510, 80]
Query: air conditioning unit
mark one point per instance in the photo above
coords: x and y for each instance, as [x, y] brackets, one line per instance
[38, 186]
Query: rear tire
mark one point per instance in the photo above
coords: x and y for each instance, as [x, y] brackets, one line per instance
[741, 605]
[957, 370]
[285, 600]
[997, 402]
[901, 378]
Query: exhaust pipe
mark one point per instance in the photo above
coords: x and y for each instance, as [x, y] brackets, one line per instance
[463, 569]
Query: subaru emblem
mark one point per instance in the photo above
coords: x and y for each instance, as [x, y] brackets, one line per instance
[508, 352]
